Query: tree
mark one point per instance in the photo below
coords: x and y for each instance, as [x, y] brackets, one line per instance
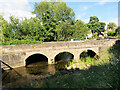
[80, 30]
[95, 25]
[31, 29]
[64, 31]
[102, 26]
[111, 25]
[117, 32]
[14, 24]
[52, 14]
[6, 30]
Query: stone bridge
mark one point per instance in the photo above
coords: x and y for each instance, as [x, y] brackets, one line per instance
[16, 55]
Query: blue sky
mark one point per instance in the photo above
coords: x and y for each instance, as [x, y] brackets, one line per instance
[105, 10]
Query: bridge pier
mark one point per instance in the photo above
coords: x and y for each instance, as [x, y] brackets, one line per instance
[51, 61]
[76, 57]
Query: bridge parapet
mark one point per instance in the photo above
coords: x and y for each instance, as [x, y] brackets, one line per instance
[53, 45]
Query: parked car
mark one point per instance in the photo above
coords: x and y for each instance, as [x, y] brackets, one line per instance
[76, 40]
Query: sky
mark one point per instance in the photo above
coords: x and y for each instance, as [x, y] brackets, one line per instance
[105, 10]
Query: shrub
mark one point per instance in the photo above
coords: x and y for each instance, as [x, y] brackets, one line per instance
[111, 33]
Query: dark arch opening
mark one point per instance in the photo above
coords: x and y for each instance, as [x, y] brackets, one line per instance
[62, 59]
[88, 53]
[36, 58]
[64, 56]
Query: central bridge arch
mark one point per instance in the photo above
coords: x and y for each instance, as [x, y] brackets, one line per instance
[65, 55]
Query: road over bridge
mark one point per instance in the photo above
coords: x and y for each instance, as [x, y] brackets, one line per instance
[16, 55]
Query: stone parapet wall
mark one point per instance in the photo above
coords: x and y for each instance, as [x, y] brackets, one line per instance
[52, 45]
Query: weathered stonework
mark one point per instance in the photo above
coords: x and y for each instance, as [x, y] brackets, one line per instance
[15, 55]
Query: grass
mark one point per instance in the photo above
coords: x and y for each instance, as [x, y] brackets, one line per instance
[81, 64]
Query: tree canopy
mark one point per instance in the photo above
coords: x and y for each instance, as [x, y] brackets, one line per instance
[96, 26]
[111, 25]
[54, 21]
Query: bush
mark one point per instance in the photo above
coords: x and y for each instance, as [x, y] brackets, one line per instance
[111, 33]
[16, 41]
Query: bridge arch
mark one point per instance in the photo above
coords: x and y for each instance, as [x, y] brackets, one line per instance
[63, 55]
[36, 57]
[88, 52]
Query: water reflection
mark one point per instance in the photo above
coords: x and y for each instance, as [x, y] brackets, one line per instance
[41, 69]
[37, 69]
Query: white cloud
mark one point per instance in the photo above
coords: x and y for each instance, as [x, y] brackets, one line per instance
[17, 8]
[86, 20]
[84, 8]
[80, 16]
[102, 2]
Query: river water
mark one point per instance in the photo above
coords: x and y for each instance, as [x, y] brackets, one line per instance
[34, 70]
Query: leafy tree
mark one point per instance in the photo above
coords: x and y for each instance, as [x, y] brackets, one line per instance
[80, 30]
[117, 31]
[31, 29]
[102, 26]
[111, 25]
[64, 31]
[1, 32]
[6, 30]
[111, 33]
[52, 14]
[14, 24]
[62, 12]
[49, 26]
[95, 25]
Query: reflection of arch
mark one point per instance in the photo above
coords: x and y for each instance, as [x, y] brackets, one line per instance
[87, 53]
[64, 56]
[36, 58]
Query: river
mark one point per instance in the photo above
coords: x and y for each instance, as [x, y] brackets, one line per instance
[32, 71]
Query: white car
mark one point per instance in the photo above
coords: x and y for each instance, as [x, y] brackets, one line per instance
[76, 40]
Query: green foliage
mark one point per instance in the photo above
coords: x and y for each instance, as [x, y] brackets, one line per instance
[95, 35]
[51, 14]
[115, 50]
[95, 25]
[90, 60]
[111, 25]
[102, 26]
[64, 31]
[80, 30]
[117, 32]
[111, 33]
[83, 54]
[16, 41]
